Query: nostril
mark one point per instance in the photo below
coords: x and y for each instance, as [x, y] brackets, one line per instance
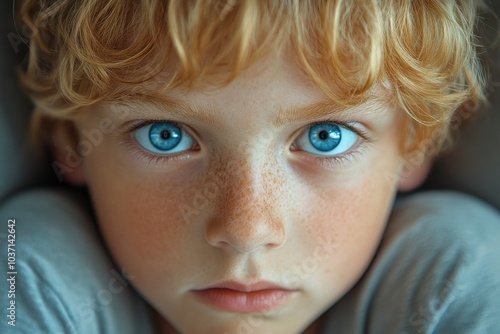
[239, 247]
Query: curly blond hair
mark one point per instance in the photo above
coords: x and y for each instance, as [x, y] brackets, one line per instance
[425, 52]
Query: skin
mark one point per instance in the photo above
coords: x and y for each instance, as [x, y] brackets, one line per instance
[262, 208]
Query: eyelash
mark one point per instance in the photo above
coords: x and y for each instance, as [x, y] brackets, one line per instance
[324, 161]
[337, 161]
[152, 158]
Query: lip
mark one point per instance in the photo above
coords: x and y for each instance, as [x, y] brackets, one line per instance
[236, 297]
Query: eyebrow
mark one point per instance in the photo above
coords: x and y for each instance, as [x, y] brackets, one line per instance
[146, 106]
[308, 112]
[208, 114]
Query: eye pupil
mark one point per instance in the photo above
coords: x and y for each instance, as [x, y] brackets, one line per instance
[165, 134]
[325, 137]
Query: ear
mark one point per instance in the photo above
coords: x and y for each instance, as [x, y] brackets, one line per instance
[414, 176]
[68, 163]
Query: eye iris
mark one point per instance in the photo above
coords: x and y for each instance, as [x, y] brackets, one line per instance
[165, 136]
[325, 137]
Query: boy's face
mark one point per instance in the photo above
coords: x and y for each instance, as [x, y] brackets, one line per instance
[254, 195]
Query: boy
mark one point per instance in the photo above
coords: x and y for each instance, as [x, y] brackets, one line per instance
[243, 157]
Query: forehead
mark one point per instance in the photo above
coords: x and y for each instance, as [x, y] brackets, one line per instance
[273, 87]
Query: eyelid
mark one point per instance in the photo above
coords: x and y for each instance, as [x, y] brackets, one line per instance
[337, 161]
[134, 125]
[348, 125]
[131, 126]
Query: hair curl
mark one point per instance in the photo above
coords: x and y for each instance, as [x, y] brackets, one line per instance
[87, 51]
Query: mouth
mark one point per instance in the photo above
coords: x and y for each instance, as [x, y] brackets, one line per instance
[236, 297]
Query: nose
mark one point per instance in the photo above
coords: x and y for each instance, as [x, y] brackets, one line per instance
[248, 216]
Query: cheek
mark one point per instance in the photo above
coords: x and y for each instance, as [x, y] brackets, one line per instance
[348, 219]
[139, 217]
[343, 223]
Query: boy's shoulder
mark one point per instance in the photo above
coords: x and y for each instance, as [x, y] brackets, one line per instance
[436, 271]
[63, 280]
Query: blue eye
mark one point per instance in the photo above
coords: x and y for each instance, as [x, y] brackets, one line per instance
[163, 138]
[327, 139]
